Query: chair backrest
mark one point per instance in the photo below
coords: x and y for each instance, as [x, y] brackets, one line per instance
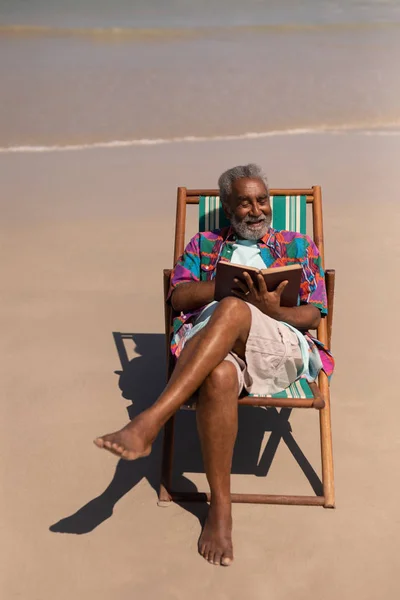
[288, 212]
[288, 206]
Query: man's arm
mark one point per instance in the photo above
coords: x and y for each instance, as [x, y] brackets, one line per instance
[187, 292]
[192, 295]
[302, 317]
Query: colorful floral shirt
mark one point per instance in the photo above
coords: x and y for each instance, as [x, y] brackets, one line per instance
[277, 248]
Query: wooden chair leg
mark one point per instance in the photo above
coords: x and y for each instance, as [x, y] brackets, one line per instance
[326, 445]
[164, 496]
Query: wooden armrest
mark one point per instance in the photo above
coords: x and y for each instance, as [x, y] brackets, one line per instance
[168, 320]
[330, 291]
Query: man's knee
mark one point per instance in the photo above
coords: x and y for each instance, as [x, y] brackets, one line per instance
[222, 379]
[234, 308]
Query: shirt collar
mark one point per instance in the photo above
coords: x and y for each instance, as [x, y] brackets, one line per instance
[269, 238]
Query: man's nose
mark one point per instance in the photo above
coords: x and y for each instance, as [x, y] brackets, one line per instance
[255, 210]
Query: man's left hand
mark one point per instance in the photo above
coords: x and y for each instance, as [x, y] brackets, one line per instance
[258, 295]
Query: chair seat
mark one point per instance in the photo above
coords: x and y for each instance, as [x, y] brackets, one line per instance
[298, 389]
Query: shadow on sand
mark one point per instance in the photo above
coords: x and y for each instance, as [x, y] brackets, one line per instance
[141, 380]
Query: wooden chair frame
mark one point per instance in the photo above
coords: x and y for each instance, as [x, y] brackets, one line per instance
[166, 494]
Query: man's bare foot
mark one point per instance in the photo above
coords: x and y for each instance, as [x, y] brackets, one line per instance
[215, 543]
[132, 441]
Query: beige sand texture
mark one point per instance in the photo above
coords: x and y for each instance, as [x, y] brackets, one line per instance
[85, 236]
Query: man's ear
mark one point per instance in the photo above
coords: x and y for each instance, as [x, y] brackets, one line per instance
[227, 211]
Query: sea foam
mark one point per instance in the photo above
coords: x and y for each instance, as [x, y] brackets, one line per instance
[386, 130]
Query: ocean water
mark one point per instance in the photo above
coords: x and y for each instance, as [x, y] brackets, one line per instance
[95, 73]
[192, 13]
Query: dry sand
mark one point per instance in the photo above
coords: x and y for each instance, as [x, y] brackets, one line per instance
[77, 265]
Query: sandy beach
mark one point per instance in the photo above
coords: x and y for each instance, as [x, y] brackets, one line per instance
[105, 108]
[77, 266]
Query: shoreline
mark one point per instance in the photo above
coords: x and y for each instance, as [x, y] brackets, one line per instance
[387, 129]
[108, 183]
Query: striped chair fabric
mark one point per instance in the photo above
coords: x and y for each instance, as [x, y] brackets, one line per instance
[288, 212]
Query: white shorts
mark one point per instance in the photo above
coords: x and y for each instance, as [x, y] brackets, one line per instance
[273, 356]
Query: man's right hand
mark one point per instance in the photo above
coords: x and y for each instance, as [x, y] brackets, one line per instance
[192, 295]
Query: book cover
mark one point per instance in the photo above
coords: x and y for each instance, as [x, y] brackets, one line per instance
[227, 272]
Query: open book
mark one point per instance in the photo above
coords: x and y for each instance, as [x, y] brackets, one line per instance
[227, 272]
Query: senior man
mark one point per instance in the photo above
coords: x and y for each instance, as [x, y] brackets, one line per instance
[247, 341]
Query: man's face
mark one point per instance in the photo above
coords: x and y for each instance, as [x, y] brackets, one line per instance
[249, 209]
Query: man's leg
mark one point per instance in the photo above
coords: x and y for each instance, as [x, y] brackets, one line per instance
[217, 414]
[227, 330]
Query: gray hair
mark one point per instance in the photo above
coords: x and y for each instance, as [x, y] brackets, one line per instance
[228, 178]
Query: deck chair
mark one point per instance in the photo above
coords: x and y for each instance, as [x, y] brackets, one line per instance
[289, 212]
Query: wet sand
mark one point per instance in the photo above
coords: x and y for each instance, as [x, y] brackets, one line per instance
[60, 89]
[77, 266]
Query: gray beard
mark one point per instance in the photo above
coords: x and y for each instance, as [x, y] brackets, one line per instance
[245, 232]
